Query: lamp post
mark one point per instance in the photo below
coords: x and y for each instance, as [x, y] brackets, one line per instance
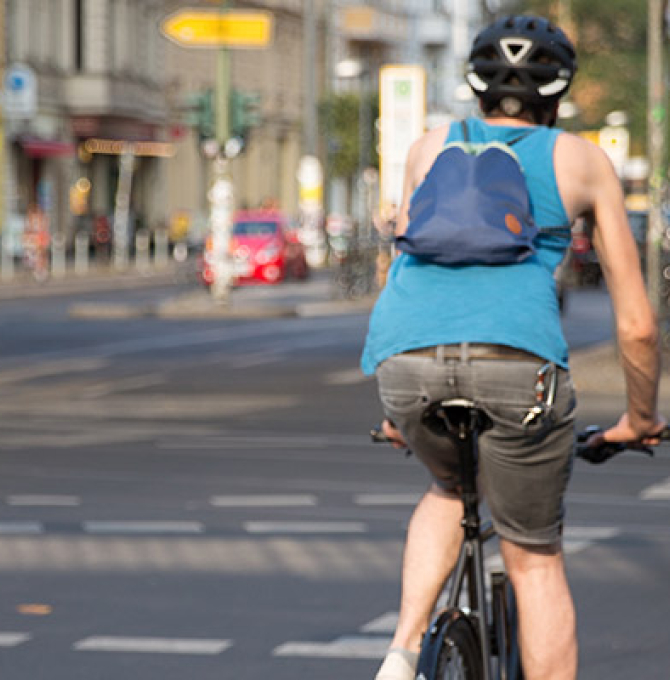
[656, 120]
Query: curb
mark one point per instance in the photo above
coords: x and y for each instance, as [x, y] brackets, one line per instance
[197, 306]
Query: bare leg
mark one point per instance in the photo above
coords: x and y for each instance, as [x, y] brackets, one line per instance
[433, 540]
[547, 628]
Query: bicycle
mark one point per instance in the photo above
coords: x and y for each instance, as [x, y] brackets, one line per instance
[472, 637]
[469, 639]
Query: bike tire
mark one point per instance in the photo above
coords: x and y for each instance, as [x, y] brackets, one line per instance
[451, 651]
[460, 658]
[506, 622]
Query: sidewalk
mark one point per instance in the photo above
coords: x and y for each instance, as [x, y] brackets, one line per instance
[97, 278]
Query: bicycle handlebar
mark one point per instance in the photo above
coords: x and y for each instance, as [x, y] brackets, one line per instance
[592, 454]
[602, 453]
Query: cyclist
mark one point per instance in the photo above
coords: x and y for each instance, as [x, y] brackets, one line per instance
[493, 334]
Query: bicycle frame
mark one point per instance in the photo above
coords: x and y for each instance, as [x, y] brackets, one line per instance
[463, 421]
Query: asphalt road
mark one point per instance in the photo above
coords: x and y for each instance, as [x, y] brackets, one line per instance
[198, 498]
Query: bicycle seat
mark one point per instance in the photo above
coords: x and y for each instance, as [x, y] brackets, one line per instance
[455, 417]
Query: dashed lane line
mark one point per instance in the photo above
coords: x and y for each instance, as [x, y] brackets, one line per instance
[346, 647]
[142, 527]
[381, 499]
[657, 492]
[14, 639]
[151, 645]
[21, 528]
[43, 500]
[264, 501]
[305, 527]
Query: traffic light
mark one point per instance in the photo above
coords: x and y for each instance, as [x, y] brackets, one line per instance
[245, 112]
[199, 112]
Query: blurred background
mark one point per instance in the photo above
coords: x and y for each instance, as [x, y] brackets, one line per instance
[111, 119]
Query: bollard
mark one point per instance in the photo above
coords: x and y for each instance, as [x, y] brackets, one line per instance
[58, 256]
[7, 258]
[161, 249]
[142, 251]
[81, 253]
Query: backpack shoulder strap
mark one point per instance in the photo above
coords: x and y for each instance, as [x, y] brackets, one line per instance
[464, 130]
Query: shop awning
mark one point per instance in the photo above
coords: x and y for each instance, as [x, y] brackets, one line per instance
[46, 148]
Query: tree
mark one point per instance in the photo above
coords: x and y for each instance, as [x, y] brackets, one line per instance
[610, 36]
[339, 119]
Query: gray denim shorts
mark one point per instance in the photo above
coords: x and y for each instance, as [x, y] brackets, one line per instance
[523, 469]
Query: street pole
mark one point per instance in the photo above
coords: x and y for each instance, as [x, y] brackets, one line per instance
[309, 75]
[656, 119]
[221, 193]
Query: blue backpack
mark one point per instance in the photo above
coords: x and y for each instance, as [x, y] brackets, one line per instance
[472, 207]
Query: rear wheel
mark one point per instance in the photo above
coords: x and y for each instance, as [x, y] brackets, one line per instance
[460, 656]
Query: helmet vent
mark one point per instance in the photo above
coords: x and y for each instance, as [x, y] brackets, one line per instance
[515, 49]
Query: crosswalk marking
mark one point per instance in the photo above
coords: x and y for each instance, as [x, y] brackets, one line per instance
[349, 647]
[28, 500]
[657, 492]
[385, 623]
[151, 645]
[263, 501]
[142, 527]
[387, 499]
[13, 639]
[21, 528]
[305, 527]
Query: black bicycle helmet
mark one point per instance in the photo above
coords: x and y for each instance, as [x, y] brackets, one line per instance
[521, 61]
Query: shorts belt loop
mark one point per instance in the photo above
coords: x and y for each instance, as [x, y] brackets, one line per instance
[465, 353]
[439, 354]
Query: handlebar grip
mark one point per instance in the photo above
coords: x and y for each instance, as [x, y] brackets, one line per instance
[378, 437]
[607, 450]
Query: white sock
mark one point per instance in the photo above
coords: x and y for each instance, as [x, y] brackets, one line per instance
[399, 664]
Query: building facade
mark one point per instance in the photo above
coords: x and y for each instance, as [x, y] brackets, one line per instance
[84, 80]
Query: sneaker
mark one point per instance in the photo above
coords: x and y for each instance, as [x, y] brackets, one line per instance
[399, 664]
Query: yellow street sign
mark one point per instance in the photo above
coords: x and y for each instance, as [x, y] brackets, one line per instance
[213, 28]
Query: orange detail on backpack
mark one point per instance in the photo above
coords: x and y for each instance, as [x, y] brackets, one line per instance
[513, 224]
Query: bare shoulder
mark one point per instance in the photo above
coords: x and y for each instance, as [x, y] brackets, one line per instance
[583, 172]
[424, 151]
[576, 151]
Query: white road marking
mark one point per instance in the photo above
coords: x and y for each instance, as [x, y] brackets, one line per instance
[263, 501]
[352, 647]
[387, 499]
[21, 527]
[351, 376]
[13, 639]
[236, 442]
[28, 500]
[305, 527]
[141, 527]
[151, 645]
[385, 623]
[657, 492]
[575, 539]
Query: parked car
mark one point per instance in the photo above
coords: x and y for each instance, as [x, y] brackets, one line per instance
[263, 249]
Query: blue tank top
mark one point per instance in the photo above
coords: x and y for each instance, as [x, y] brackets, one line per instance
[425, 304]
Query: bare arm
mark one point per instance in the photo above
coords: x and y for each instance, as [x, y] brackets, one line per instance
[590, 186]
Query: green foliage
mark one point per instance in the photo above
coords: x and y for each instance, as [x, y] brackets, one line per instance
[611, 40]
[339, 117]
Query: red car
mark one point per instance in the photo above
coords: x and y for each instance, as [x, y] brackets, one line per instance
[263, 249]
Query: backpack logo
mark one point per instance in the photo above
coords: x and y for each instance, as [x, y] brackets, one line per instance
[472, 207]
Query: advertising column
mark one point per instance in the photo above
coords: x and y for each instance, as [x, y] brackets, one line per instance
[402, 114]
